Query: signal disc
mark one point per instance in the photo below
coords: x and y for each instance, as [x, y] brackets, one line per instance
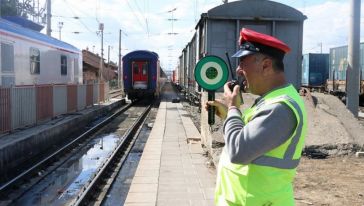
[211, 73]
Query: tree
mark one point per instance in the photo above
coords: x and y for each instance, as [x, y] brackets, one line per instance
[9, 8]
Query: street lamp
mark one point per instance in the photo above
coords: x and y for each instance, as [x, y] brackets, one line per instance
[60, 25]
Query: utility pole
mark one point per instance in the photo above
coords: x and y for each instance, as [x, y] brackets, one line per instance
[172, 20]
[108, 54]
[352, 101]
[49, 15]
[101, 28]
[119, 67]
[172, 33]
[60, 25]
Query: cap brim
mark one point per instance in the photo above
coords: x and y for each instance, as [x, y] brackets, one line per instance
[242, 53]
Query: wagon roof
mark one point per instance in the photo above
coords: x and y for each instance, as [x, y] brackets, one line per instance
[34, 35]
[254, 10]
[141, 54]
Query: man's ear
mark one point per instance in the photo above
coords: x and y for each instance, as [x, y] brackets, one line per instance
[267, 66]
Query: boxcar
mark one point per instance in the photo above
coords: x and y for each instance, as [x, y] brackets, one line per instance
[315, 70]
[141, 71]
[218, 31]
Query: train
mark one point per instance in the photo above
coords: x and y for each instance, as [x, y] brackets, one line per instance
[327, 72]
[29, 57]
[336, 83]
[217, 33]
[315, 70]
[142, 74]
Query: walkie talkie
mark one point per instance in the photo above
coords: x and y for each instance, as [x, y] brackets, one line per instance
[234, 81]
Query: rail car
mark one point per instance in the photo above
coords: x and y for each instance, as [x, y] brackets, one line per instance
[316, 69]
[141, 71]
[338, 69]
[218, 31]
[28, 57]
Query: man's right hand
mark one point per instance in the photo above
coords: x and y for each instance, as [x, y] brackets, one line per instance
[221, 108]
[232, 98]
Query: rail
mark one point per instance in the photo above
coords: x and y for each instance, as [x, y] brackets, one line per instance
[49, 158]
[119, 155]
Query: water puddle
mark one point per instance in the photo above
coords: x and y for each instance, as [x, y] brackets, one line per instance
[63, 185]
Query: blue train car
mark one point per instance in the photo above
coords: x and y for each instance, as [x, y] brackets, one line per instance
[141, 71]
[315, 69]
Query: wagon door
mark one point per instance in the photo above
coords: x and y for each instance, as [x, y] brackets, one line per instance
[140, 74]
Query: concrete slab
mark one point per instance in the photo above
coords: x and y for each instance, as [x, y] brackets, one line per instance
[181, 175]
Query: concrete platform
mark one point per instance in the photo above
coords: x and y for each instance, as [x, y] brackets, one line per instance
[172, 169]
[24, 144]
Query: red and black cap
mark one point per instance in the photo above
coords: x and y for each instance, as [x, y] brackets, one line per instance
[252, 42]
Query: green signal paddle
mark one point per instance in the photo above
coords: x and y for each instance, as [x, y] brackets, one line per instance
[211, 73]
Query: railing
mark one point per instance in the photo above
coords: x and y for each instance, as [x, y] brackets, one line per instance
[44, 101]
[5, 113]
[22, 106]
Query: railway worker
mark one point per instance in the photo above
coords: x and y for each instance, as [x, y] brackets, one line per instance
[263, 144]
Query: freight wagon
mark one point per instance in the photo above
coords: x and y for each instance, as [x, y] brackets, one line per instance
[337, 70]
[218, 32]
[336, 82]
[315, 70]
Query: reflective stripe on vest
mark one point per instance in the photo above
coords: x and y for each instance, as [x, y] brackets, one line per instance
[287, 162]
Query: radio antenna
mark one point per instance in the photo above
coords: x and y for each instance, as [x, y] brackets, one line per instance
[231, 69]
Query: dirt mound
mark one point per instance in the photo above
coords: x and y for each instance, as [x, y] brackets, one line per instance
[332, 129]
[330, 123]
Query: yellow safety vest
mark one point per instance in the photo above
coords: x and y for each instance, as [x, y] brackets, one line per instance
[267, 180]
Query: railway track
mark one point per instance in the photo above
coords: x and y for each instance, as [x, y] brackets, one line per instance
[105, 153]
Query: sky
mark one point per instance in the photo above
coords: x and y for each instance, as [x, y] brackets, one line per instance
[145, 24]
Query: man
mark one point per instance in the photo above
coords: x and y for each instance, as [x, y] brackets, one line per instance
[263, 144]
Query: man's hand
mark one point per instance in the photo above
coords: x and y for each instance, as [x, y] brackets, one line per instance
[221, 108]
[232, 98]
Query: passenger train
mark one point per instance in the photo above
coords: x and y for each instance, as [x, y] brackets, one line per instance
[28, 57]
[141, 71]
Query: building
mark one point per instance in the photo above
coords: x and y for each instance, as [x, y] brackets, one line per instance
[91, 68]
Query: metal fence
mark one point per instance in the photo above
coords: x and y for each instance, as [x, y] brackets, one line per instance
[5, 114]
[22, 106]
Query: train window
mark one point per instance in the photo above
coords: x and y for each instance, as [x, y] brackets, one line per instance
[145, 68]
[63, 65]
[7, 57]
[34, 61]
[135, 68]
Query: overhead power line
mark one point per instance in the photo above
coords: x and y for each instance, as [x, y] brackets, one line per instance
[136, 16]
[74, 13]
